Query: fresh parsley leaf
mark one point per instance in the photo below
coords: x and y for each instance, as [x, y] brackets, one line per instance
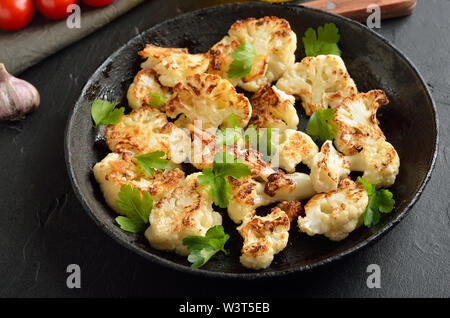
[379, 201]
[224, 165]
[130, 225]
[229, 166]
[243, 57]
[323, 42]
[135, 206]
[152, 161]
[219, 187]
[157, 100]
[318, 126]
[202, 248]
[105, 113]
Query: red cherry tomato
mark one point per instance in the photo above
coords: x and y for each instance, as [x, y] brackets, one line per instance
[15, 14]
[54, 9]
[98, 3]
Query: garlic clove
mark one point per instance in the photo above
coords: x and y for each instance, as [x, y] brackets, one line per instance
[17, 97]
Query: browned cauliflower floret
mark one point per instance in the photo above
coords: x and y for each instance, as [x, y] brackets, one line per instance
[260, 168]
[146, 130]
[320, 82]
[187, 210]
[288, 187]
[118, 169]
[293, 209]
[173, 65]
[263, 238]
[272, 108]
[246, 195]
[145, 83]
[274, 42]
[355, 121]
[337, 213]
[295, 147]
[328, 168]
[209, 99]
[378, 160]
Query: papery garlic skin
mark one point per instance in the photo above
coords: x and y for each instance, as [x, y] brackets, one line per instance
[17, 97]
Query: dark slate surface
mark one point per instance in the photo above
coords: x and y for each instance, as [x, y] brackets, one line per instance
[43, 227]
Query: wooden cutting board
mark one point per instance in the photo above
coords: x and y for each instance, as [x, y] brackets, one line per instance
[357, 9]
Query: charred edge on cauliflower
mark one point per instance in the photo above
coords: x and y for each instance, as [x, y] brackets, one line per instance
[351, 133]
[293, 209]
[276, 181]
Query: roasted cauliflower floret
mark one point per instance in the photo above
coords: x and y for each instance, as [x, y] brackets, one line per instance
[145, 83]
[263, 238]
[295, 147]
[173, 65]
[272, 108]
[288, 187]
[328, 168]
[146, 130]
[247, 194]
[355, 120]
[253, 159]
[293, 209]
[378, 160]
[274, 42]
[118, 169]
[187, 210]
[209, 99]
[320, 82]
[337, 213]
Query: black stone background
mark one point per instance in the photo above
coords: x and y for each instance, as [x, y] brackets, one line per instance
[43, 227]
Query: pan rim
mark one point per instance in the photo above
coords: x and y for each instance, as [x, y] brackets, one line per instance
[253, 275]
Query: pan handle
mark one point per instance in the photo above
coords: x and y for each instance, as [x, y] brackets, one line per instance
[357, 9]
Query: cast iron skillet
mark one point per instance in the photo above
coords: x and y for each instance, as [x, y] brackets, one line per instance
[409, 123]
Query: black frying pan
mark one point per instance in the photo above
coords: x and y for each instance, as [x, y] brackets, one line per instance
[409, 123]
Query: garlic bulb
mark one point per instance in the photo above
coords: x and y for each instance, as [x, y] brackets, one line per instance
[17, 97]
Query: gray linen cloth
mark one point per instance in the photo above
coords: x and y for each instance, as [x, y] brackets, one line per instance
[22, 49]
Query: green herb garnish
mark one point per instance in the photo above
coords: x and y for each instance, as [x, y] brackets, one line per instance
[202, 248]
[136, 207]
[105, 113]
[243, 57]
[379, 201]
[157, 100]
[224, 165]
[318, 126]
[152, 161]
[323, 42]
